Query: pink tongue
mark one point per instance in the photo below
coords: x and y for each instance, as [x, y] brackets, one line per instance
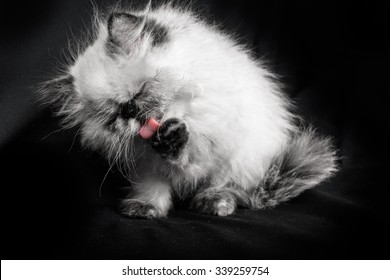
[148, 129]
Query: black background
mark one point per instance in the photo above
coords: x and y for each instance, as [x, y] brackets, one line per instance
[334, 60]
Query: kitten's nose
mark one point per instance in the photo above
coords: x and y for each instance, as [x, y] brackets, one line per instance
[128, 110]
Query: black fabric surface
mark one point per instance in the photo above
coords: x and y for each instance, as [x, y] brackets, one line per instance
[334, 60]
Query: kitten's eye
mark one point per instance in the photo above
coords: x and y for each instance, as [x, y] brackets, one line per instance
[130, 109]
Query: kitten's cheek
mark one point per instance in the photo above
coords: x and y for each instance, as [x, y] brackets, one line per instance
[130, 127]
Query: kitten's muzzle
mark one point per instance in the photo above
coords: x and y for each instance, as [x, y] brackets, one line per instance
[139, 109]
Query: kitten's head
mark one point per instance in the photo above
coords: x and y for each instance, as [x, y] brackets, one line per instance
[120, 80]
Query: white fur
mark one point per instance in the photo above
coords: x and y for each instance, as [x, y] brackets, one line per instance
[236, 116]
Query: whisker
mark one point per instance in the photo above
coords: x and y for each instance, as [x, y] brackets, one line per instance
[74, 139]
[51, 133]
[104, 179]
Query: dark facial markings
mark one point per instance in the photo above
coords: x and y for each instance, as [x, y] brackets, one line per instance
[124, 110]
[128, 110]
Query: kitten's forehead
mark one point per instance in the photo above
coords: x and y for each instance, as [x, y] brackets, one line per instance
[99, 76]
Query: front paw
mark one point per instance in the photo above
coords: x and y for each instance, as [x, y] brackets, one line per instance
[139, 209]
[171, 138]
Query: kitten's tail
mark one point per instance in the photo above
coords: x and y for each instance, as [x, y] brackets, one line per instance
[305, 162]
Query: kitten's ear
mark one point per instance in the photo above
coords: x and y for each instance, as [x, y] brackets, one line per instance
[124, 29]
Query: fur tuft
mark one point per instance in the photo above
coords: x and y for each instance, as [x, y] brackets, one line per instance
[305, 162]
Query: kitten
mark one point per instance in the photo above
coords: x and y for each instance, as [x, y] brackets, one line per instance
[228, 136]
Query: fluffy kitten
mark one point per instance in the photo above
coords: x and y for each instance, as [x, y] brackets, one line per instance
[228, 136]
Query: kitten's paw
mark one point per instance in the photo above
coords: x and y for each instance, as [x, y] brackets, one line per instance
[220, 203]
[171, 138]
[139, 209]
